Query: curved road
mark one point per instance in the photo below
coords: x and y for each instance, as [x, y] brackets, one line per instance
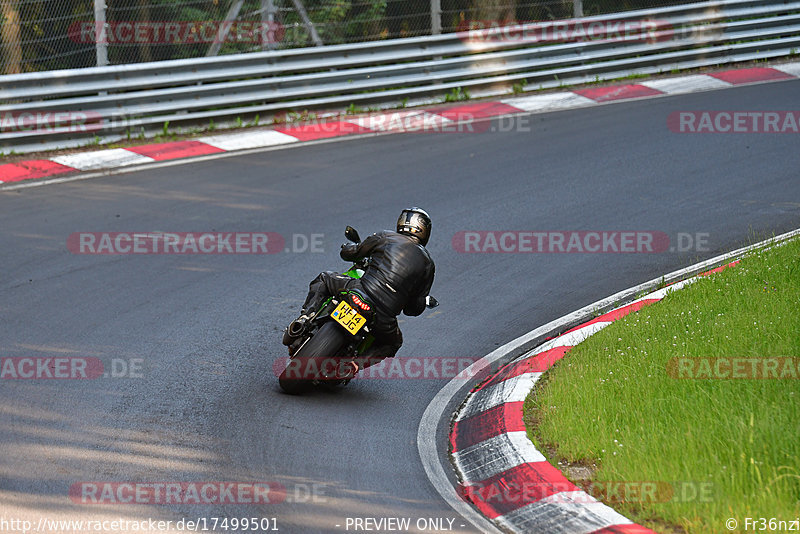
[204, 329]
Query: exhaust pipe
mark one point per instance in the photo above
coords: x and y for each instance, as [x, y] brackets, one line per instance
[292, 332]
[296, 328]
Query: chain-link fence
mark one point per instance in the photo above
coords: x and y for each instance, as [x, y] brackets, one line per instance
[40, 35]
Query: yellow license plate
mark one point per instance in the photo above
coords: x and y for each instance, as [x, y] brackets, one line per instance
[349, 318]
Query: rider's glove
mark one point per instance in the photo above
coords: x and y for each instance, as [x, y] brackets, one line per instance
[347, 251]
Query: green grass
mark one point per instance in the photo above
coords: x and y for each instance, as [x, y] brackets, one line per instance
[457, 94]
[634, 76]
[610, 404]
[519, 87]
[352, 109]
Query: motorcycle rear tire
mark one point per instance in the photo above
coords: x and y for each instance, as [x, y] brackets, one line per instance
[326, 343]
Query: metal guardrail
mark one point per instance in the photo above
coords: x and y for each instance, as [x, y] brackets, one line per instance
[137, 100]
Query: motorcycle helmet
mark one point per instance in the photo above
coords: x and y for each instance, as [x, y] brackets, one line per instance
[415, 222]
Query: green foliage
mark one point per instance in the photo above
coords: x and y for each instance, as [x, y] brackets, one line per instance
[457, 94]
[338, 21]
[352, 109]
[634, 76]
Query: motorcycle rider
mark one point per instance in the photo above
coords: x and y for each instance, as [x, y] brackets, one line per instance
[398, 279]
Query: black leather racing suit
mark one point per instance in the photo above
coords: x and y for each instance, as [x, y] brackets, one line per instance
[398, 278]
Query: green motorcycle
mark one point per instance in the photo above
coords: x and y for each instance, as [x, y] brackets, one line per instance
[325, 348]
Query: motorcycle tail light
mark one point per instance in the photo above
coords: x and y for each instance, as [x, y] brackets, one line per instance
[360, 303]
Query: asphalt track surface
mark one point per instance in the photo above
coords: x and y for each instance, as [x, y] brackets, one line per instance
[206, 328]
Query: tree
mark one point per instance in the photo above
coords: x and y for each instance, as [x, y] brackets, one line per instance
[10, 32]
[493, 10]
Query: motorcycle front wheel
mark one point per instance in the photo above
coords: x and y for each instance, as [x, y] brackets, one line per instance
[323, 346]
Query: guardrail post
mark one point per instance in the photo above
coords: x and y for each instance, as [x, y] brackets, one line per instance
[577, 8]
[100, 33]
[267, 24]
[436, 17]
